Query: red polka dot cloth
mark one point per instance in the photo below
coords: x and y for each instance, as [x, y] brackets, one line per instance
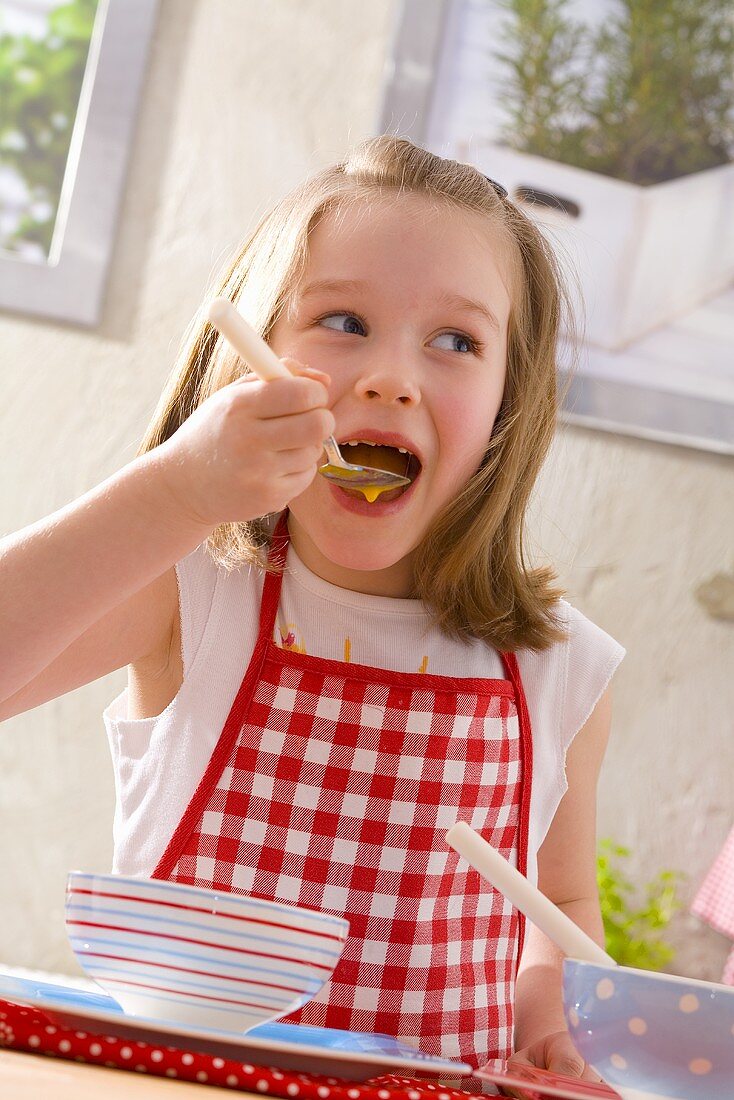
[714, 901]
[29, 1029]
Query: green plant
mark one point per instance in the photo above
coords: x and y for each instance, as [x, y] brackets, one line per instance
[543, 84]
[649, 96]
[40, 85]
[632, 928]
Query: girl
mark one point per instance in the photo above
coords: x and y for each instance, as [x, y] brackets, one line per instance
[319, 686]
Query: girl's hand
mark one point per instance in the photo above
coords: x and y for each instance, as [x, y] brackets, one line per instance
[555, 1052]
[250, 448]
[245, 452]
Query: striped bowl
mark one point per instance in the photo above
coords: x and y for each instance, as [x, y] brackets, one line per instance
[200, 957]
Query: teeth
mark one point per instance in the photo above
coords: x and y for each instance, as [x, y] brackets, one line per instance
[371, 443]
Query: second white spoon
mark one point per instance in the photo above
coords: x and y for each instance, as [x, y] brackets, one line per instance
[524, 896]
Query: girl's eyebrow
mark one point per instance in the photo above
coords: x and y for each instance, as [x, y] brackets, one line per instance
[353, 286]
[458, 301]
[333, 286]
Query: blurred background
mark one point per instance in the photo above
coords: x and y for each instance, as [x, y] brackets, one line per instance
[235, 104]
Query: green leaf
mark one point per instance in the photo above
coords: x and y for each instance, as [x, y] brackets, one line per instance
[40, 85]
[633, 928]
[647, 96]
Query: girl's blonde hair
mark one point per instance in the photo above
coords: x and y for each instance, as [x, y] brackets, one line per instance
[471, 569]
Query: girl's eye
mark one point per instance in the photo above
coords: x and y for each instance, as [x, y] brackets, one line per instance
[343, 322]
[454, 341]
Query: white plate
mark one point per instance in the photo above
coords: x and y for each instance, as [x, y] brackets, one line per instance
[348, 1054]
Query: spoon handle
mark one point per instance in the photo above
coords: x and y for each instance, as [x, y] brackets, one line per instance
[258, 355]
[524, 896]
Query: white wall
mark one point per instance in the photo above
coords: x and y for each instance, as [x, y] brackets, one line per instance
[241, 101]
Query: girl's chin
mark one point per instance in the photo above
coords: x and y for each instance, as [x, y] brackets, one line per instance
[362, 559]
[365, 564]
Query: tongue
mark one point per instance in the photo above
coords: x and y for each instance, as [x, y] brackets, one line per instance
[380, 458]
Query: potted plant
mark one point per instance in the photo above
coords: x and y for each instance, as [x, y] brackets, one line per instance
[633, 928]
[619, 138]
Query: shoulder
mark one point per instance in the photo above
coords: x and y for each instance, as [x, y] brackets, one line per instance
[593, 657]
[564, 682]
[564, 685]
[582, 633]
[213, 601]
[586, 651]
[200, 578]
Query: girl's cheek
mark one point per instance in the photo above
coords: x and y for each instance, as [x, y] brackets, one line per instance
[467, 425]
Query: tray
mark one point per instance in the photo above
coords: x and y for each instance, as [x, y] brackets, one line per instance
[348, 1055]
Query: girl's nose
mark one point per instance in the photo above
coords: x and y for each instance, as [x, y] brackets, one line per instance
[389, 385]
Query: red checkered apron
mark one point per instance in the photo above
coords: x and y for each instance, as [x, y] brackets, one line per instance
[331, 787]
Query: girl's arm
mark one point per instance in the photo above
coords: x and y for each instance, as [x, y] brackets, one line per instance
[567, 875]
[89, 588]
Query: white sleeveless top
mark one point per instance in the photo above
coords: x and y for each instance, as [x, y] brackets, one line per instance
[158, 762]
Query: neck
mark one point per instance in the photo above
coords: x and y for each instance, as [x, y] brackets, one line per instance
[395, 581]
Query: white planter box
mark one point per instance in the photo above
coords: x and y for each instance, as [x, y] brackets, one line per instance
[635, 257]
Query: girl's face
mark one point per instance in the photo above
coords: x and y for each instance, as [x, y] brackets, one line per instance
[404, 303]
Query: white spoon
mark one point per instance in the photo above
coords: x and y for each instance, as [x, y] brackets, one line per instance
[524, 896]
[263, 361]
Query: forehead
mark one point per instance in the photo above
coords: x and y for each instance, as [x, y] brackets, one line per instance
[411, 245]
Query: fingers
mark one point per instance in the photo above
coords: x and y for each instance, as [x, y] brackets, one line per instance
[294, 432]
[555, 1053]
[574, 1067]
[285, 396]
[301, 370]
[520, 1058]
[562, 1057]
[282, 396]
[571, 1065]
[299, 460]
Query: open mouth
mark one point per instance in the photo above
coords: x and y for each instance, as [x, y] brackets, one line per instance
[380, 456]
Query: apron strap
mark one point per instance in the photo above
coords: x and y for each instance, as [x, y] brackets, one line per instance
[512, 669]
[277, 554]
[225, 744]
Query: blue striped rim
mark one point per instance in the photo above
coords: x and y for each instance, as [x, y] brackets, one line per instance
[100, 910]
[78, 944]
[205, 1007]
[193, 987]
[157, 961]
[200, 892]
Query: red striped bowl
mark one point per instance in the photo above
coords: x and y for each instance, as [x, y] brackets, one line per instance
[201, 957]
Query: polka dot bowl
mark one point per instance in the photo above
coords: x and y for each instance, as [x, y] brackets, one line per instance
[204, 958]
[652, 1036]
